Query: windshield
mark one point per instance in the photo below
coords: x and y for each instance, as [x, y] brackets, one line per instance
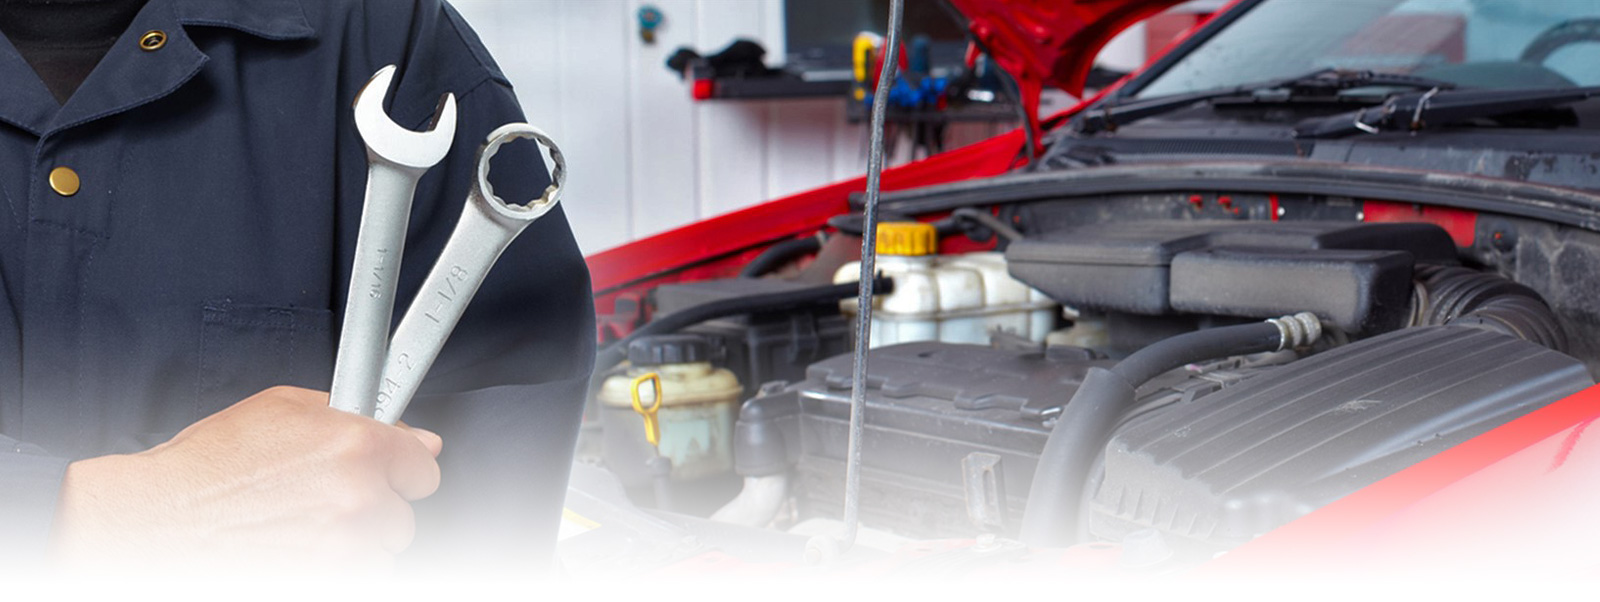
[1472, 43]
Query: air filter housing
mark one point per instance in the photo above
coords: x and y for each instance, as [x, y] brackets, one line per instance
[1215, 472]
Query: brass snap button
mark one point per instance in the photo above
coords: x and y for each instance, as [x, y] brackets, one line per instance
[153, 40]
[64, 181]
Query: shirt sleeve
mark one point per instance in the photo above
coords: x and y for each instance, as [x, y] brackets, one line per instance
[30, 484]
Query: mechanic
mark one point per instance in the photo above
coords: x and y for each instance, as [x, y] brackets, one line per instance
[182, 183]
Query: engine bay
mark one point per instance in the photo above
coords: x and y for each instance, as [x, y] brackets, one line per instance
[1368, 336]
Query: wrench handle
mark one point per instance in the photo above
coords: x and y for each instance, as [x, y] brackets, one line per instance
[477, 242]
[369, 306]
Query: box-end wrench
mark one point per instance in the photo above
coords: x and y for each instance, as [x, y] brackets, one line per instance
[487, 226]
[396, 159]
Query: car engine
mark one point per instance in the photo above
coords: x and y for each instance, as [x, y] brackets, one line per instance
[1397, 343]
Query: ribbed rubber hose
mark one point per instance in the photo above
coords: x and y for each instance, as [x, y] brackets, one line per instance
[1466, 297]
[1085, 425]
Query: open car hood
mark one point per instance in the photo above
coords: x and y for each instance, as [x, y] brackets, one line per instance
[1052, 41]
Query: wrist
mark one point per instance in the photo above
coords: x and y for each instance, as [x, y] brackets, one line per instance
[85, 518]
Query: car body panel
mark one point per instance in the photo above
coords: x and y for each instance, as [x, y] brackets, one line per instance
[1051, 41]
[1517, 498]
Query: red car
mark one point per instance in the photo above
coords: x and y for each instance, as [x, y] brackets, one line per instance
[1314, 290]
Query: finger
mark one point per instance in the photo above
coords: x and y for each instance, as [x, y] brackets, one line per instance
[396, 525]
[429, 439]
[413, 471]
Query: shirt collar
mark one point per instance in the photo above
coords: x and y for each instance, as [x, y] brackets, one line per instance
[266, 19]
[127, 77]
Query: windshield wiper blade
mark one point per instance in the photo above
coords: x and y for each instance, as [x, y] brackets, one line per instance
[1415, 112]
[1318, 83]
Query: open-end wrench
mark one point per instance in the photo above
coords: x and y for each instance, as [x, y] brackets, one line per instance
[487, 226]
[396, 159]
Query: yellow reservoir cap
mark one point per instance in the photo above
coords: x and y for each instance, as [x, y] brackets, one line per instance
[907, 238]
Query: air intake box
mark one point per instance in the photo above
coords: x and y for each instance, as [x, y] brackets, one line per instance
[1355, 276]
[1215, 472]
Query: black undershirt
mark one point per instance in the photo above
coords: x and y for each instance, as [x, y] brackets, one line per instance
[63, 40]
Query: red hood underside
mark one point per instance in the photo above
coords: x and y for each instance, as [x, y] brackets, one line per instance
[1053, 41]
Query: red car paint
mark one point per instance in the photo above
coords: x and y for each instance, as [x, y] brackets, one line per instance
[1050, 42]
[1461, 224]
[717, 247]
[1039, 41]
[1516, 498]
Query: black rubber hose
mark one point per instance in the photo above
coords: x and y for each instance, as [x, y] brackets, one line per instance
[614, 353]
[987, 220]
[1163, 356]
[854, 224]
[1051, 517]
[1085, 425]
[779, 255]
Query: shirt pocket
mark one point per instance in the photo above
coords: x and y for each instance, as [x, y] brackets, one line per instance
[246, 348]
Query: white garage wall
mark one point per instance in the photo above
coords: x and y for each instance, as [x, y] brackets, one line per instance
[644, 157]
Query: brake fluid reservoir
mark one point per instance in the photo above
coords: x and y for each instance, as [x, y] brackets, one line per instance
[699, 402]
[951, 298]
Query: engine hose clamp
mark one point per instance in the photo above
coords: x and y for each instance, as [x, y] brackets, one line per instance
[1363, 125]
[1297, 330]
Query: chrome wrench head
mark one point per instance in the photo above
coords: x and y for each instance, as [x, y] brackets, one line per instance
[396, 158]
[394, 144]
[487, 226]
[536, 208]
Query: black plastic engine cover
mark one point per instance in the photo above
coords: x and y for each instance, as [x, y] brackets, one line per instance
[953, 433]
[1358, 292]
[1215, 472]
[1353, 275]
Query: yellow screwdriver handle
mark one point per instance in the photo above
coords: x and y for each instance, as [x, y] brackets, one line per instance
[652, 427]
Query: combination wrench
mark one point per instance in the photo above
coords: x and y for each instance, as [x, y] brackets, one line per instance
[396, 158]
[487, 226]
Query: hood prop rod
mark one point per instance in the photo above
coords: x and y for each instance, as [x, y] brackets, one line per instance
[822, 548]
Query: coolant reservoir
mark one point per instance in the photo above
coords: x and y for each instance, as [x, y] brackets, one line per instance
[951, 298]
[699, 402]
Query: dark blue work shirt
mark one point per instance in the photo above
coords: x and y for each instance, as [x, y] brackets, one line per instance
[207, 251]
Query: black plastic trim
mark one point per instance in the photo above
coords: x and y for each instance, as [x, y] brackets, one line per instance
[1567, 206]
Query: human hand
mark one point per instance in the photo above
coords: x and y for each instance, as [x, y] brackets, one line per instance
[279, 479]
